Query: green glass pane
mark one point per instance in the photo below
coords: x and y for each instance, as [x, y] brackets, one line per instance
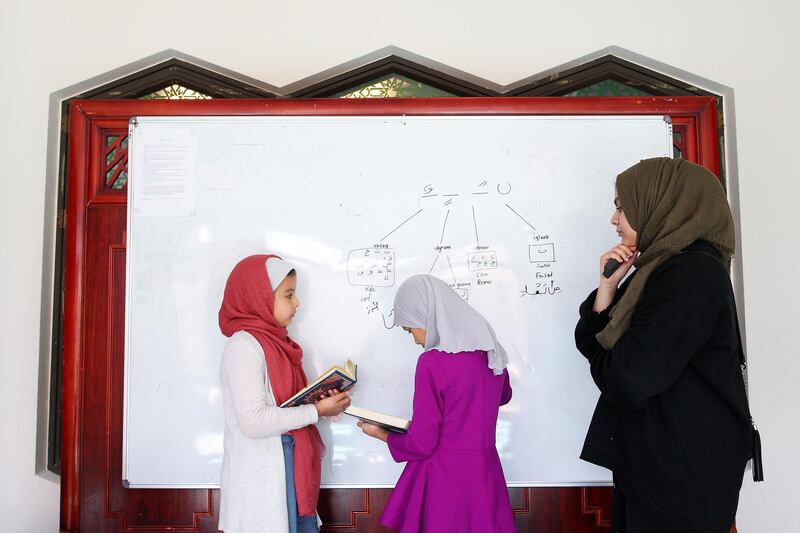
[110, 140]
[393, 86]
[176, 92]
[122, 180]
[676, 144]
[608, 88]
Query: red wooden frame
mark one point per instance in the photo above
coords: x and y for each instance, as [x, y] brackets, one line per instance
[91, 205]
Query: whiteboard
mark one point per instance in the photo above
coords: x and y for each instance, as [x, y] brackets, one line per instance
[512, 211]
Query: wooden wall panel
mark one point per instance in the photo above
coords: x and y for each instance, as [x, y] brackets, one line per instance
[105, 503]
[93, 497]
[541, 510]
[352, 510]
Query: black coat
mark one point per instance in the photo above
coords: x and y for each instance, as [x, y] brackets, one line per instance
[672, 420]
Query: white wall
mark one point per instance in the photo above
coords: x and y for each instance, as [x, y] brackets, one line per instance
[751, 48]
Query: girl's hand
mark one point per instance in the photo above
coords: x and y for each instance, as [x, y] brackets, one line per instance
[335, 418]
[374, 431]
[607, 289]
[334, 404]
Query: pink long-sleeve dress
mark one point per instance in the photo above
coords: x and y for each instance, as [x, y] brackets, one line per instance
[453, 480]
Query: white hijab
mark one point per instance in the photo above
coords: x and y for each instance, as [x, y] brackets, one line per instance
[277, 270]
[450, 324]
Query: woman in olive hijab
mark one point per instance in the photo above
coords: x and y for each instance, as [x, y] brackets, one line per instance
[672, 421]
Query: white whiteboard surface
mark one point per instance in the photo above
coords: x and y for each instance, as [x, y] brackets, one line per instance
[512, 210]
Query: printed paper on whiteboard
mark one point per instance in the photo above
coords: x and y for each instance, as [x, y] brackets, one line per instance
[164, 183]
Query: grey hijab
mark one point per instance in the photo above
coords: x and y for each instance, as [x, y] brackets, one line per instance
[450, 324]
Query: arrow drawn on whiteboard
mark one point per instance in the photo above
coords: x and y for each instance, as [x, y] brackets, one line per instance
[444, 226]
[401, 224]
[451, 270]
[388, 326]
[434, 262]
[520, 216]
[475, 223]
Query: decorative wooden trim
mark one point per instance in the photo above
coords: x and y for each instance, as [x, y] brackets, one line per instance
[526, 496]
[208, 80]
[708, 149]
[393, 64]
[606, 67]
[120, 161]
[86, 186]
[684, 110]
[596, 510]
[681, 130]
[112, 250]
[176, 71]
[101, 193]
[73, 318]
[629, 105]
[354, 514]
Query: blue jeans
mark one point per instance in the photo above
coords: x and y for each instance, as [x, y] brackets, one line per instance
[297, 523]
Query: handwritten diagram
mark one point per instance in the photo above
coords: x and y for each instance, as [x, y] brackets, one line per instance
[542, 253]
[482, 260]
[478, 266]
[371, 267]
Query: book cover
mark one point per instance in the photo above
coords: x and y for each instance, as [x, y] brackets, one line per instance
[389, 422]
[341, 378]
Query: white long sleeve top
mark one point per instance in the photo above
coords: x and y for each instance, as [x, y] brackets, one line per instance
[252, 481]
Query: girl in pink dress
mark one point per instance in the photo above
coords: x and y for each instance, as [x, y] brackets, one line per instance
[453, 480]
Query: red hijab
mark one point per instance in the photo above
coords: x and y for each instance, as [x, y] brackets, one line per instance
[248, 305]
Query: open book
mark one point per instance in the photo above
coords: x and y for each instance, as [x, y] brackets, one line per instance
[392, 423]
[341, 378]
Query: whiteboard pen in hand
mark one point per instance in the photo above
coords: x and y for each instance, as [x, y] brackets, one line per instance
[611, 266]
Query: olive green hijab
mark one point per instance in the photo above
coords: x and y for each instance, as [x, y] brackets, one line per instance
[670, 203]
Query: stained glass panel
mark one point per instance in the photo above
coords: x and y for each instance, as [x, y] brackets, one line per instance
[608, 87]
[176, 92]
[393, 86]
[677, 144]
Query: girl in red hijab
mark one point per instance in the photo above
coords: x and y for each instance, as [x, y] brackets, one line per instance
[271, 466]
